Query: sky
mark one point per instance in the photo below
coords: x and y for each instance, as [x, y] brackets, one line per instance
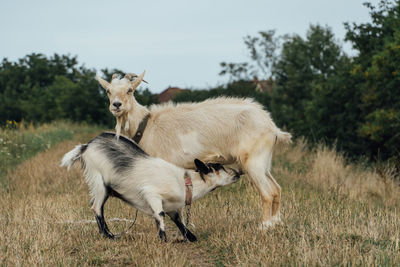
[178, 43]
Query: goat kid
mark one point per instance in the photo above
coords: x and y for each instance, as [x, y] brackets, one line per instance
[234, 131]
[151, 185]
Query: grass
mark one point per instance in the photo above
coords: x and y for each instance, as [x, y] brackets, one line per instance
[18, 143]
[333, 213]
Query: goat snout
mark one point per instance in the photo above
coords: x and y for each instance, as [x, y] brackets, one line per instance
[117, 104]
[236, 173]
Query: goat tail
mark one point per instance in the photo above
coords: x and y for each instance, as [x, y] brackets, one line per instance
[69, 158]
[283, 137]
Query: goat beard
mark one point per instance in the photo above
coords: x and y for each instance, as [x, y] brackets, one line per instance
[122, 121]
[118, 127]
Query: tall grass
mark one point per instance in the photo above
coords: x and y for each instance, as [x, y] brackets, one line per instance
[19, 142]
[325, 169]
[334, 213]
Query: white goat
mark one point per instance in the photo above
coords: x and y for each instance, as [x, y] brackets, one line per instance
[152, 185]
[225, 130]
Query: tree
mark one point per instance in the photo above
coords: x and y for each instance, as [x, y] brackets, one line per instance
[262, 53]
[303, 70]
[377, 68]
[40, 89]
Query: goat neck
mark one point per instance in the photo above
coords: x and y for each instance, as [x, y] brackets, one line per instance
[200, 187]
[133, 118]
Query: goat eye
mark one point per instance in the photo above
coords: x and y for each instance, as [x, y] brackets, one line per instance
[108, 92]
[130, 90]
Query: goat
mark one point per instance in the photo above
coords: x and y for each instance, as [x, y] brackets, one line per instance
[225, 129]
[152, 185]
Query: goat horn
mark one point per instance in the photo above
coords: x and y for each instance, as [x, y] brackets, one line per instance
[102, 82]
[115, 76]
[129, 76]
[138, 80]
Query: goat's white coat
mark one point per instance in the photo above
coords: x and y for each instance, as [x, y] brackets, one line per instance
[226, 130]
[152, 185]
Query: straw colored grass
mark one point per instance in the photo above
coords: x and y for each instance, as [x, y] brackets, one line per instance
[333, 213]
[18, 141]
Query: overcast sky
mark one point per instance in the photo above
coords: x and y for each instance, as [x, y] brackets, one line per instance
[178, 43]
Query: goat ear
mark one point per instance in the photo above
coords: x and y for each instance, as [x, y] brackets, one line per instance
[201, 166]
[138, 80]
[102, 82]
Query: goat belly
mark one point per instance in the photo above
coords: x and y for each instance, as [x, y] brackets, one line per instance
[173, 206]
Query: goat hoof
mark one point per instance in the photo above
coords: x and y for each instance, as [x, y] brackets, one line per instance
[112, 237]
[108, 235]
[276, 220]
[191, 237]
[162, 235]
[265, 225]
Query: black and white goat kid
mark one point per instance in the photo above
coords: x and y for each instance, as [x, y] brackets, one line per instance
[154, 186]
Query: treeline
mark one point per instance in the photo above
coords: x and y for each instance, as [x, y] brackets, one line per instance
[41, 89]
[315, 90]
[323, 94]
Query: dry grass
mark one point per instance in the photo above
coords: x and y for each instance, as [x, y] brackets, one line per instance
[19, 142]
[333, 214]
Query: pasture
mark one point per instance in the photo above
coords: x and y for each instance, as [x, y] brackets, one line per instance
[333, 213]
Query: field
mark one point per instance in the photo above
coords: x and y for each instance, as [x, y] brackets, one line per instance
[333, 213]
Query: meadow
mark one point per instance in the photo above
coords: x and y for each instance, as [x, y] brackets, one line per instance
[20, 141]
[333, 212]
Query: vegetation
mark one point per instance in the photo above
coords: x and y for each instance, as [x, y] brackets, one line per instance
[333, 214]
[323, 94]
[41, 89]
[18, 142]
[318, 91]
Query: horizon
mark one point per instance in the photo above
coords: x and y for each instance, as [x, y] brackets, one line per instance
[177, 43]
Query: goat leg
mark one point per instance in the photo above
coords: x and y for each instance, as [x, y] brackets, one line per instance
[176, 218]
[162, 235]
[101, 223]
[161, 232]
[159, 216]
[107, 231]
[103, 228]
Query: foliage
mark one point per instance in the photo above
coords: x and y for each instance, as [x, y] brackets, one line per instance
[377, 70]
[318, 91]
[18, 141]
[323, 94]
[262, 51]
[41, 89]
[303, 69]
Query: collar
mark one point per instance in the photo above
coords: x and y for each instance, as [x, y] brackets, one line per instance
[142, 126]
[189, 189]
